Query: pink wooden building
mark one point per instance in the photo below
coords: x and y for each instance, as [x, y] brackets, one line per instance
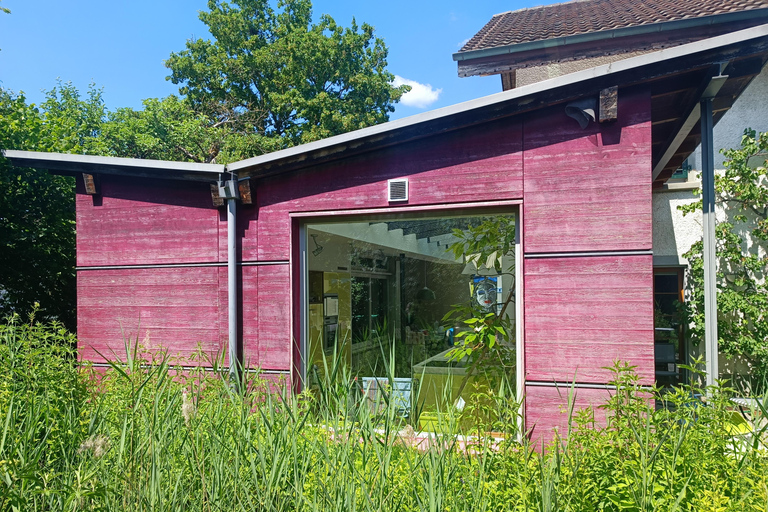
[342, 242]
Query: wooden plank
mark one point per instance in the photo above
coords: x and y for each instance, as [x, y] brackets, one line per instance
[609, 98]
[465, 166]
[172, 308]
[274, 323]
[584, 313]
[250, 316]
[90, 184]
[146, 222]
[589, 190]
[547, 410]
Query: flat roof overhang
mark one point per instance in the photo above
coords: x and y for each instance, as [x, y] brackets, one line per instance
[678, 77]
[70, 164]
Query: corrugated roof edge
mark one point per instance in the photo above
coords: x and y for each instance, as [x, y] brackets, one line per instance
[633, 30]
[344, 140]
[70, 163]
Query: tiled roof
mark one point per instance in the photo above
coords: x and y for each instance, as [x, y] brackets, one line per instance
[585, 16]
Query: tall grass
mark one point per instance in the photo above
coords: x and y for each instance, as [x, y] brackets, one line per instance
[145, 436]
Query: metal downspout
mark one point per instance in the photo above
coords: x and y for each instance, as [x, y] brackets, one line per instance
[234, 363]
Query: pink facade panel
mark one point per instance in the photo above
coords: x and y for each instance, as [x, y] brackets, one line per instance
[176, 309]
[584, 313]
[274, 325]
[145, 221]
[590, 189]
[548, 410]
[482, 164]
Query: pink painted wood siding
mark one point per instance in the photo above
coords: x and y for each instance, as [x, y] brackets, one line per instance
[172, 308]
[267, 317]
[584, 313]
[478, 164]
[589, 190]
[547, 410]
[145, 221]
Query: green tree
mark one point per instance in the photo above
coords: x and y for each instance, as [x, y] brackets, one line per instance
[37, 210]
[275, 74]
[169, 129]
[742, 247]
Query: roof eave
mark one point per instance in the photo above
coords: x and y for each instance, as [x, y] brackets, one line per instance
[137, 167]
[468, 113]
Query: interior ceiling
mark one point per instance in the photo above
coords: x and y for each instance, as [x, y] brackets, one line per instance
[431, 228]
[673, 97]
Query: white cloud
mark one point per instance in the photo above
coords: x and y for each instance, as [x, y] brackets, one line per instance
[420, 95]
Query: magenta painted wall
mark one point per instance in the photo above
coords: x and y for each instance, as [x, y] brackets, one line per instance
[586, 192]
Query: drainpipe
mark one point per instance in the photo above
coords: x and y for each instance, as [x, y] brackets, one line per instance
[228, 190]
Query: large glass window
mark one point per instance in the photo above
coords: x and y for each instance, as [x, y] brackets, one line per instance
[380, 290]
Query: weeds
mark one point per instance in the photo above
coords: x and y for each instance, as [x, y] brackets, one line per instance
[146, 436]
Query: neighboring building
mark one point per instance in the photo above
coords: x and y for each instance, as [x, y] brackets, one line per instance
[342, 242]
[531, 45]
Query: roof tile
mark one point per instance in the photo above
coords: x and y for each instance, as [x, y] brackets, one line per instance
[584, 16]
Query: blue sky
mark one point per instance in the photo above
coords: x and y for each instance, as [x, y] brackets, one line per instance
[120, 46]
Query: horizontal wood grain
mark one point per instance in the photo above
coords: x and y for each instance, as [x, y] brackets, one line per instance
[584, 313]
[482, 164]
[274, 309]
[547, 410]
[167, 308]
[588, 190]
[134, 222]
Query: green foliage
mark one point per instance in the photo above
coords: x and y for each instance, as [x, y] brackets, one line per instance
[169, 129]
[145, 435]
[37, 211]
[275, 74]
[742, 254]
[485, 343]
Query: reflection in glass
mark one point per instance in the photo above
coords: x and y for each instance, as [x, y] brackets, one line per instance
[395, 280]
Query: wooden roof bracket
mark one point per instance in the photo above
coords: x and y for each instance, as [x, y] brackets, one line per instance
[709, 89]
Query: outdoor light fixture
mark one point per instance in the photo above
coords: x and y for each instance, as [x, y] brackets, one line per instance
[425, 294]
[318, 248]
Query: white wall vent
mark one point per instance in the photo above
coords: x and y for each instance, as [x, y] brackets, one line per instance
[398, 190]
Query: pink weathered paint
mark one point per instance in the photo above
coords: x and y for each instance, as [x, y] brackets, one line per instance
[589, 190]
[466, 166]
[584, 313]
[172, 308]
[547, 410]
[581, 191]
[136, 222]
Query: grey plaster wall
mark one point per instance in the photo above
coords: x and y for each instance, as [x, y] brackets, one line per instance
[526, 76]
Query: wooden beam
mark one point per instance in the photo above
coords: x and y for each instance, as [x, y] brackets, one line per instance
[91, 184]
[217, 199]
[609, 104]
[508, 80]
[244, 187]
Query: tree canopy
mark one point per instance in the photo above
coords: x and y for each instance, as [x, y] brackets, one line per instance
[37, 210]
[274, 74]
[270, 78]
